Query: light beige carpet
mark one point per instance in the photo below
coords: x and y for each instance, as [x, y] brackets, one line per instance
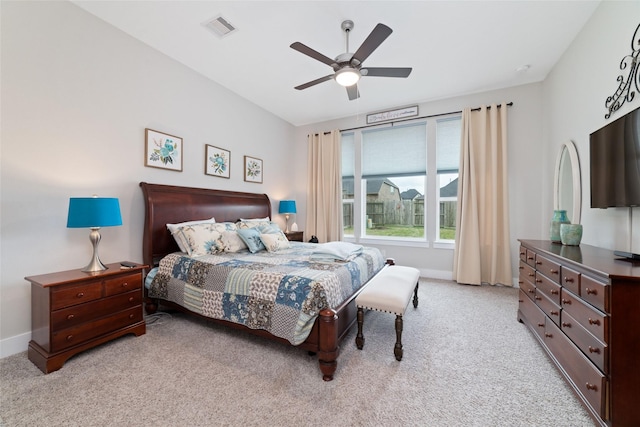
[467, 362]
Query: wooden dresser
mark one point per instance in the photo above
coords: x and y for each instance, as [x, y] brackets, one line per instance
[72, 311]
[583, 306]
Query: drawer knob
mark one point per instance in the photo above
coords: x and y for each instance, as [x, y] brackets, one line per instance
[521, 268]
[568, 279]
[80, 294]
[554, 313]
[567, 325]
[538, 262]
[529, 257]
[125, 284]
[69, 337]
[531, 274]
[522, 253]
[131, 316]
[552, 271]
[548, 335]
[71, 316]
[591, 291]
[130, 299]
[538, 280]
[538, 298]
[566, 301]
[554, 292]
[532, 291]
[594, 350]
[592, 387]
[541, 325]
[594, 321]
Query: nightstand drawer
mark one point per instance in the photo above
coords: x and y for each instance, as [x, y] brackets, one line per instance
[71, 295]
[295, 236]
[122, 284]
[78, 314]
[84, 332]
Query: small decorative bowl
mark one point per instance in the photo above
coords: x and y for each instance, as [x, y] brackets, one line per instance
[570, 234]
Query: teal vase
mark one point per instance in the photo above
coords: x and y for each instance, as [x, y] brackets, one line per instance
[559, 217]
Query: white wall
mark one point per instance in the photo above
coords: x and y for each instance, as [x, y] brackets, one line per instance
[77, 95]
[574, 106]
[525, 154]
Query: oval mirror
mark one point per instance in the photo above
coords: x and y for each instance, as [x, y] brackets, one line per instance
[567, 191]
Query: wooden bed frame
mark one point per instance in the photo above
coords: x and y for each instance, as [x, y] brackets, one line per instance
[166, 204]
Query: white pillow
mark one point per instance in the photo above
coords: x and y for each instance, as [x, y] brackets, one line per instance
[266, 218]
[174, 228]
[232, 242]
[255, 223]
[205, 238]
[275, 241]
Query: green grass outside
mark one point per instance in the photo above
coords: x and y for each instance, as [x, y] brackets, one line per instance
[392, 230]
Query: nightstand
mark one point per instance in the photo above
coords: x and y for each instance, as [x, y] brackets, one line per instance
[72, 311]
[295, 236]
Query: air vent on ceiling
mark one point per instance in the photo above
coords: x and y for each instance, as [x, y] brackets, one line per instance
[220, 26]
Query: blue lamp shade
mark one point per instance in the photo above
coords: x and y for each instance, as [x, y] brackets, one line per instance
[93, 212]
[287, 207]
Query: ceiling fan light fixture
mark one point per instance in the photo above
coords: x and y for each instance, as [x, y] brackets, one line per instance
[347, 76]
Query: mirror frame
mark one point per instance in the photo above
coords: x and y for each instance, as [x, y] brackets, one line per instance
[570, 147]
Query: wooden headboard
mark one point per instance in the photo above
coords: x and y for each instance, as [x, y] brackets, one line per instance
[168, 204]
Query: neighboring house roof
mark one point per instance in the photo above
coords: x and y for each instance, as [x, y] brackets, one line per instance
[410, 194]
[450, 190]
[373, 185]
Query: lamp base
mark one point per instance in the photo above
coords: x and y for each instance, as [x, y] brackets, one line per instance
[95, 264]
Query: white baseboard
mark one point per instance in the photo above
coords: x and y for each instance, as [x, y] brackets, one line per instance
[436, 274]
[14, 345]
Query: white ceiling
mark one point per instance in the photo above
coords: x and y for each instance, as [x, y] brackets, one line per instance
[454, 47]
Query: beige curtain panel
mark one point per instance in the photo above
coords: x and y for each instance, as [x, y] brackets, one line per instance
[324, 187]
[482, 252]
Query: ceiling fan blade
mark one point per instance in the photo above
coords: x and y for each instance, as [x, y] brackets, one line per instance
[375, 39]
[312, 53]
[314, 82]
[353, 92]
[385, 72]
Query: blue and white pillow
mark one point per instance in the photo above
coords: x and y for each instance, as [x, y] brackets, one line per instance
[251, 237]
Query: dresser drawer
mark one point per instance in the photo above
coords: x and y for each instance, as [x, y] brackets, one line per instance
[548, 306]
[588, 379]
[527, 288]
[527, 272]
[549, 268]
[531, 258]
[534, 316]
[523, 254]
[595, 293]
[122, 284]
[596, 322]
[66, 296]
[549, 288]
[81, 333]
[570, 279]
[595, 350]
[77, 314]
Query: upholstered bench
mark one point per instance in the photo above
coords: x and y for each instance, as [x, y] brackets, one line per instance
[390, 292]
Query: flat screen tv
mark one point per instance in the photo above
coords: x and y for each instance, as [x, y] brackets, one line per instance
[615, 163]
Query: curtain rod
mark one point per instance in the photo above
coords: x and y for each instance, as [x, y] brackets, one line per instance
[509, 104]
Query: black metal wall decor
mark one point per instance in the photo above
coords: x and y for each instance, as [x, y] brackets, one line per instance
[624, 92]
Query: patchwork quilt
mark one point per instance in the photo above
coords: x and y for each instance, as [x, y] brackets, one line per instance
[281, 292]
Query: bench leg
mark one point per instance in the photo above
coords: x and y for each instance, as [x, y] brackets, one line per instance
[360, 337]
[415, 296]
[397, 350]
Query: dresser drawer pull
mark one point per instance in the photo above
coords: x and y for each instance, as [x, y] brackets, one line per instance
[131, 299]
[591, 291]
[566, 301]
[69, 337]
[541, 325]
[566, 325]
[552, 271]
[594, 350]
[532, 291]
[592, 387]
[594, 321]
[538, 298]
[538, 262]
[131, 316]
[521, 267]
[531, 274]
[71, 316]
[568, 279]
[529, 257]
[548, 335]
[554, 292]
[125, 284]
[80, 294]
[554, 313]
[522, 253]
[538, 280]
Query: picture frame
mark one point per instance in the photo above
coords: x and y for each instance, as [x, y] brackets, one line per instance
[162, 150]
[217, 161]
[253, 169]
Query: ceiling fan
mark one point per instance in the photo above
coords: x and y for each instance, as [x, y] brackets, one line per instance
[347, 66]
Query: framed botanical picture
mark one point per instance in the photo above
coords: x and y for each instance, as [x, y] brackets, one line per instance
[162, 150]
[217, 161]
[252, 169]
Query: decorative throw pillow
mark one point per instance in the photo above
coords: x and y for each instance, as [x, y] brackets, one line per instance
[270, 228]
[206, 238]
[175, 228]
[232, 242]
[254, 223]
[275, 241]
[251, 237]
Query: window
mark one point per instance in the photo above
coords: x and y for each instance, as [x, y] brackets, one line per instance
[385, 181]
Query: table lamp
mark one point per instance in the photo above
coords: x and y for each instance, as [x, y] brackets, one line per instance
[287, 207]
[93, 213]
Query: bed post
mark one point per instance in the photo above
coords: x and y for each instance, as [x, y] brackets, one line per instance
[328, 343]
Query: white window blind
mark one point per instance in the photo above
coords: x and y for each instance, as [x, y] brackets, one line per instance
[448, 144]
[400, 150]
[348, 155]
